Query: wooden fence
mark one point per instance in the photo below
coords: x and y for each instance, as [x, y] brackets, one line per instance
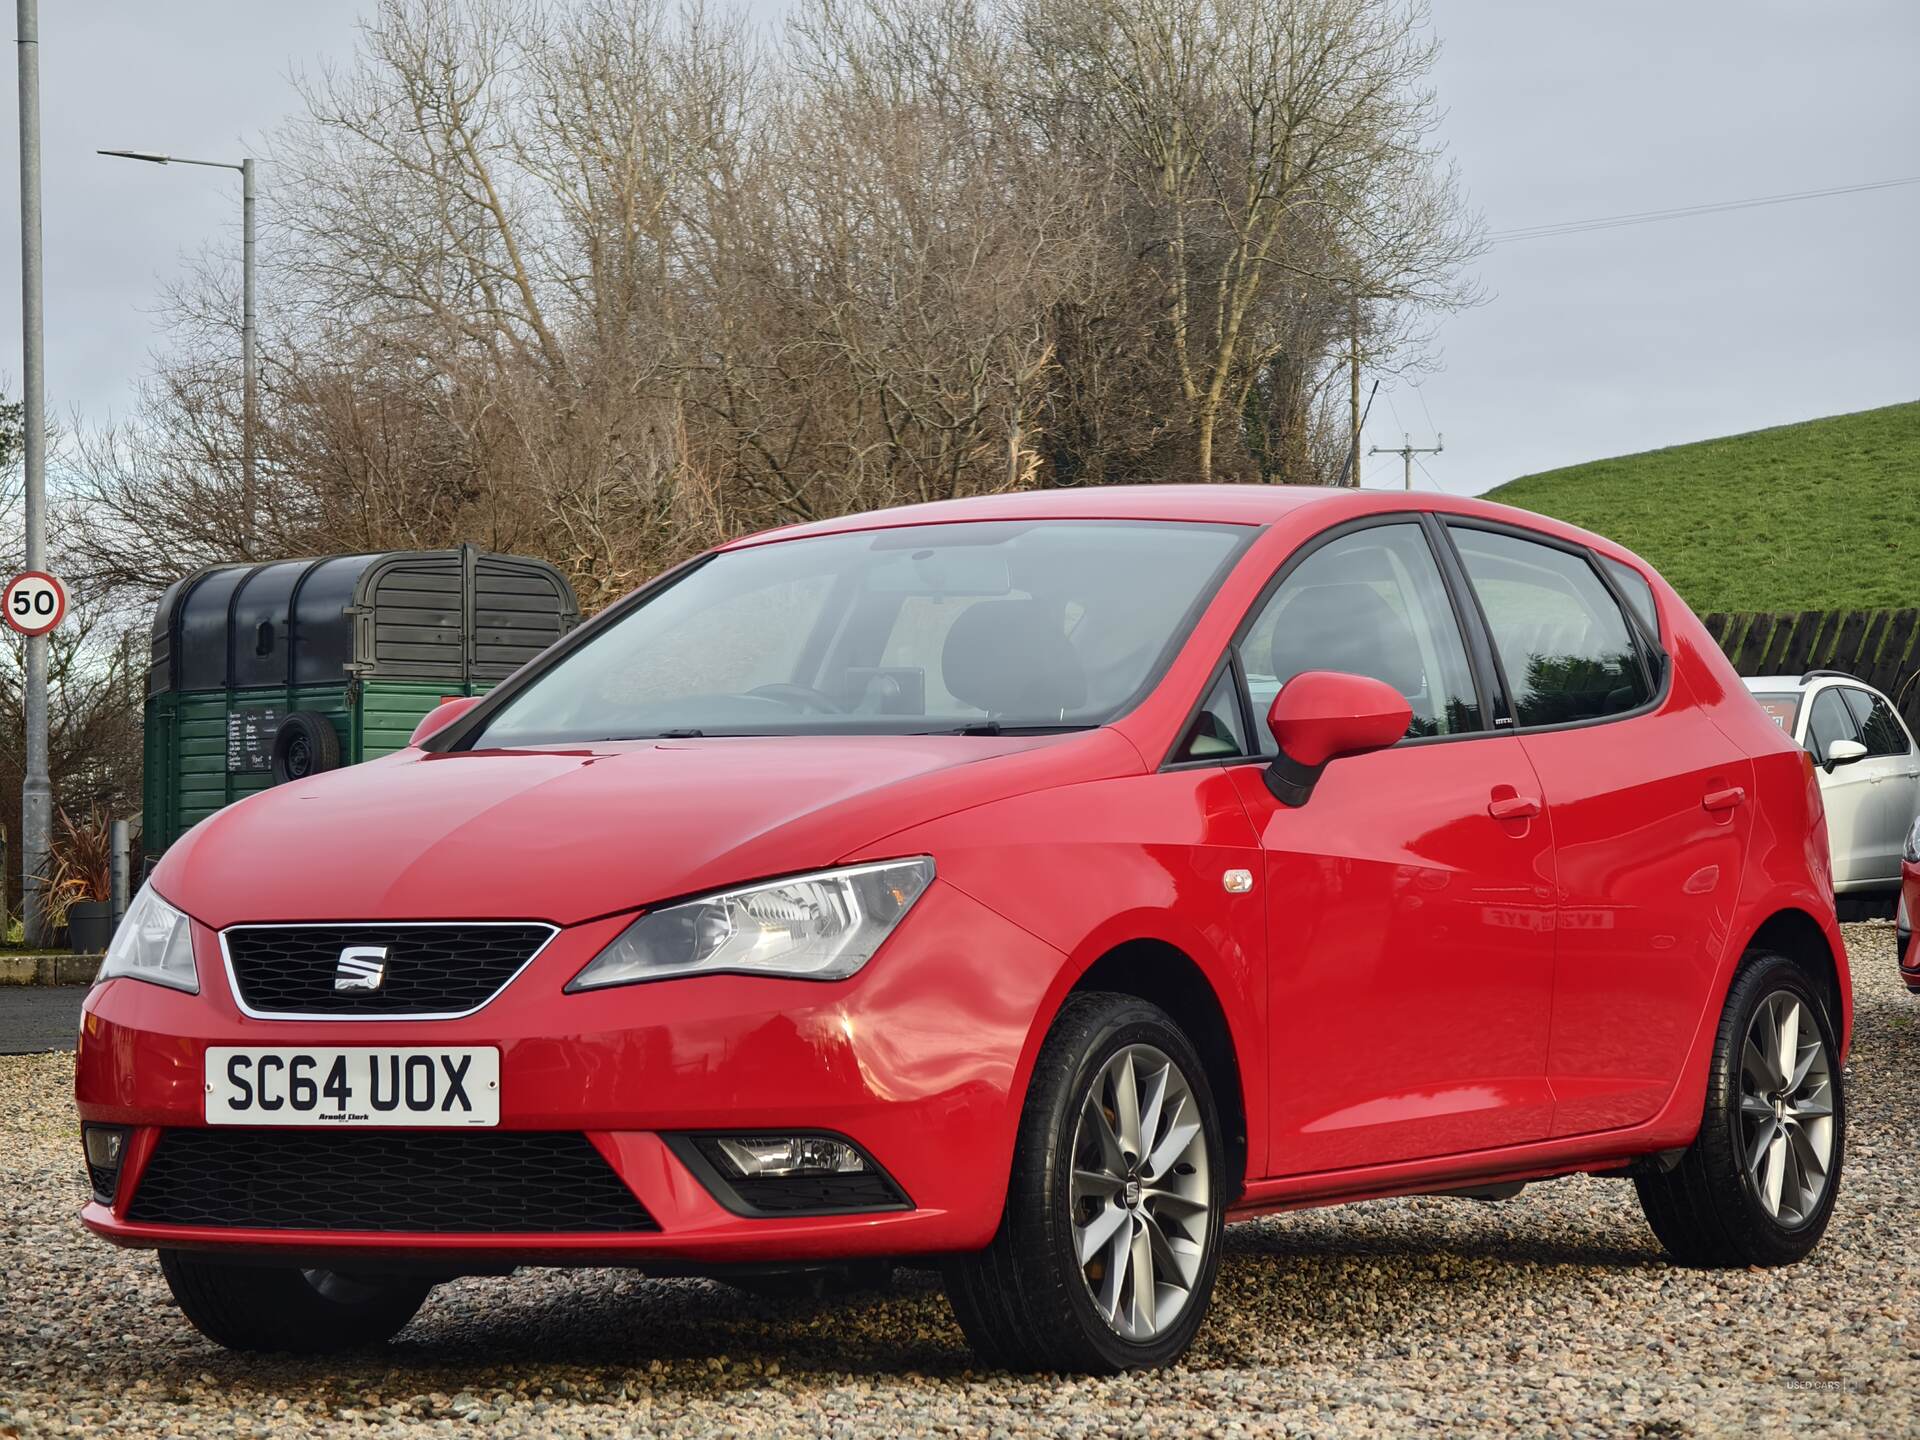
[1882, 647]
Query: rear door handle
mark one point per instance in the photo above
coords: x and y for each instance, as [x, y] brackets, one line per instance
[1730, 798]
[1514, 807]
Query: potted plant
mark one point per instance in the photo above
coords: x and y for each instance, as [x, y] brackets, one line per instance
[79, 887]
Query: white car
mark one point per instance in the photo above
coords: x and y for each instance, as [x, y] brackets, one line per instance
[1868, 766]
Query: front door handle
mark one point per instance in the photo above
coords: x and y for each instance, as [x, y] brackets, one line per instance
[1730, 798]
[1513, 807]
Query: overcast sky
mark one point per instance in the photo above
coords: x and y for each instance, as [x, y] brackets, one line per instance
[1587, 346]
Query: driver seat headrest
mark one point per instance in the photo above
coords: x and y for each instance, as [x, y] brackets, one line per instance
[1010, 657]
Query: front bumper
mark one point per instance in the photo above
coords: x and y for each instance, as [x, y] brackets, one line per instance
[919, 1059]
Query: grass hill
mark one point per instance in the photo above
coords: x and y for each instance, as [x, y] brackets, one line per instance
[1823, 515]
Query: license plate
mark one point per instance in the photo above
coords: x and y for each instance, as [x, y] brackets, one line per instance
[248, 1086]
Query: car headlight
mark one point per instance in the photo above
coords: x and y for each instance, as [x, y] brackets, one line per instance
[154, 943]
[822, 926]
[1911, 854]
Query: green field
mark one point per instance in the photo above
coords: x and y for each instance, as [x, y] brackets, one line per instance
[1823, 515]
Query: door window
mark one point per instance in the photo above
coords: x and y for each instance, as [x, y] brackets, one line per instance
[1368, 603]
[1828, 721]
[1564, 644]
[1880, 729]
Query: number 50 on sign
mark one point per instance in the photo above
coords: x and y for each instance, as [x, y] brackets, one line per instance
[34, 602]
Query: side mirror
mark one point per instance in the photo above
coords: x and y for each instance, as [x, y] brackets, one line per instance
[1845, 752]
[443, 715]
[1320, 715]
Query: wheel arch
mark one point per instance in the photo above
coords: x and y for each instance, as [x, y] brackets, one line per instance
[1166, 976]
[1795, 933]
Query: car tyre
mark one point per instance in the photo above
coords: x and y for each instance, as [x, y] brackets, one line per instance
[1146, 1193]
[305, 744]
[289, 1309]
[1758, 1184]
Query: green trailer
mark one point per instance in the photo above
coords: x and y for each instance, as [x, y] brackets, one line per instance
[264, 673]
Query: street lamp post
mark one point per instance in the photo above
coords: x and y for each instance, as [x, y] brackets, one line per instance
[250, 397]
[36, 791]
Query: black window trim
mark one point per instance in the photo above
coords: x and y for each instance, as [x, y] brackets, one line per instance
[1472, 634]
[1659, 679]
[1227, 667]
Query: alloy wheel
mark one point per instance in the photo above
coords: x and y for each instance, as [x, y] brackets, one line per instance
[1141, 1192]
[1786, 1109]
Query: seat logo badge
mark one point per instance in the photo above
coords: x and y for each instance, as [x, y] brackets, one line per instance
[1238, 882]
[361, 968]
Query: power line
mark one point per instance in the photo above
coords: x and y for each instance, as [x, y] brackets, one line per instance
[1431, 476]
[1394, 410]
[1681, 212]
[1420, 390]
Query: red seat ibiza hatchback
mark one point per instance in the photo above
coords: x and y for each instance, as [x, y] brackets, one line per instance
[1026, 886]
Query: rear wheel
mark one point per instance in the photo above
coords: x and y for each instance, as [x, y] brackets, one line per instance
[1107, 1251]
[1758, 1184]
[290, 1309]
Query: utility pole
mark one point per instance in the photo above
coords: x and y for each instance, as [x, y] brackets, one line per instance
[249, 365]
[36, 791]
[1407, 451]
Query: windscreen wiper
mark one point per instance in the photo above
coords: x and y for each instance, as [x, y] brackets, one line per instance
[994, 727]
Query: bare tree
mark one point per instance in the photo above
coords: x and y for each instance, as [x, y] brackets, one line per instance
[1275, 147]
[610, 281]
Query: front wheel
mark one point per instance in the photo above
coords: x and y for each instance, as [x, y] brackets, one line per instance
[1107, 1251]
[290, 1309]
[1758, 1184]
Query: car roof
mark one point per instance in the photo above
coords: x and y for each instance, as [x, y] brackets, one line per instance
[1812, 679]
[1217, 504]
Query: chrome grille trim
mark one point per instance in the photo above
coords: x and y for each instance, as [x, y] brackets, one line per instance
[239, 1000]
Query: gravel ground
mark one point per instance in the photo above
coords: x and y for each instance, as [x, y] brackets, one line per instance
[1550, 1314]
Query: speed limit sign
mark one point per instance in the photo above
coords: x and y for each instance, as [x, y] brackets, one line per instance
[34, 602]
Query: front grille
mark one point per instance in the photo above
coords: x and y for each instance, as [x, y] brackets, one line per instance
[429, 970]
[425, 1182]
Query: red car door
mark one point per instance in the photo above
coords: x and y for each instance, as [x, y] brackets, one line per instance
[1409, 900]
[1650, 818]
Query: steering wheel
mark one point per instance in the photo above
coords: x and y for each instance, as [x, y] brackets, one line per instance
[803, 697]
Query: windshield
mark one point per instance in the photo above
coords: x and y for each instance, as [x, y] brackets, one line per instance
[985, 627]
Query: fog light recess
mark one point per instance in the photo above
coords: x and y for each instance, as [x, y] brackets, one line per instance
[788, 1174]
[106, 1147]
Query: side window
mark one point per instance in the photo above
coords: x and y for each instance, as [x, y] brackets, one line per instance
[1369, 603]
[1880, 729]
[1639, 594]
[1216, 732]
[1828, 721]
[1564, 644]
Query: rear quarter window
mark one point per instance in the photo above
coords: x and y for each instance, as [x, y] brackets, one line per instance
[1635, 590]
